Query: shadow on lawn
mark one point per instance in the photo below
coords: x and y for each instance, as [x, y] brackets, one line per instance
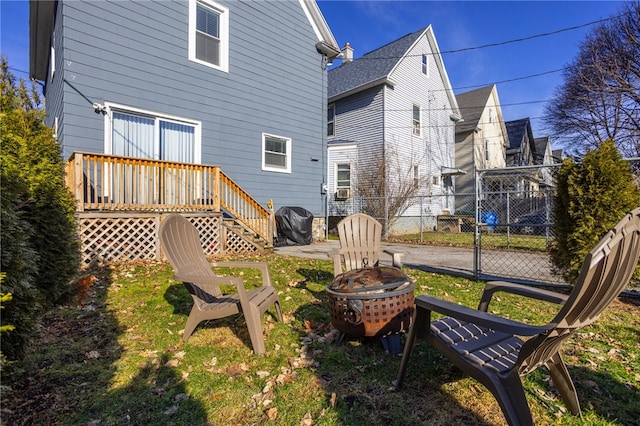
[71, 378]
[178, 296]
[356, 375]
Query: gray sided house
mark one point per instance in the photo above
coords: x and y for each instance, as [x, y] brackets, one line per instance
[391, 119]
[481, 142]
[522, 153]
[521, 150]
[239, 85]
[211, 108]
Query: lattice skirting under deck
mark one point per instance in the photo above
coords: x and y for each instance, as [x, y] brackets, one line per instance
[130, 236]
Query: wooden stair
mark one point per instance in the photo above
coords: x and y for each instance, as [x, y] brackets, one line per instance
[249, 236]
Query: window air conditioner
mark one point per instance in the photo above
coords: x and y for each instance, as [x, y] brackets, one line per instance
[343, 194]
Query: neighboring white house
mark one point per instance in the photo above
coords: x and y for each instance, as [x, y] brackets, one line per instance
[394, 104]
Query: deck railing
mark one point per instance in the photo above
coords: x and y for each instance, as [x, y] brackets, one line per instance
[112, 183]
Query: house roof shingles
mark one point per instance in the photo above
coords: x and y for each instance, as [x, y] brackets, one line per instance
[516, 130]
[472, 105]
[370, 67]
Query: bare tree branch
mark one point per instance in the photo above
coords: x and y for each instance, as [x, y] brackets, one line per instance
[600, 97]
[387, 186]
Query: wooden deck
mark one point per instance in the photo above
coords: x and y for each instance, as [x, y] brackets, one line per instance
[135, 186]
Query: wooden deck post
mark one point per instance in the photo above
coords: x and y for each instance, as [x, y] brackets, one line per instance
[216, 189]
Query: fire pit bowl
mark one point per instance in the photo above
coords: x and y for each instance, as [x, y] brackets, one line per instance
[371, 302]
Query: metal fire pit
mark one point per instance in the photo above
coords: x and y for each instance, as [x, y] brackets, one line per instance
[371, 302]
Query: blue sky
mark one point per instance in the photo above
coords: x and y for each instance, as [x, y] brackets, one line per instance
[457, 25]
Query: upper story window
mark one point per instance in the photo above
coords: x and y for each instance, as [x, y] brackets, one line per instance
[276, 153]
[416, 120]
[143, 134]
[487, 150]
[209, 34]
[425, 65]
[331, 123]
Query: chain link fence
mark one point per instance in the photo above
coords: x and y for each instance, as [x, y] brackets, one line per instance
[515, 226]
[507, 223]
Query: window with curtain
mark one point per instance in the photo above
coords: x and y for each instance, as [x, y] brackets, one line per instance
[177, 141]
[141, 136]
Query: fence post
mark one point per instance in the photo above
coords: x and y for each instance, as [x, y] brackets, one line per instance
[508, 219]
[421, 214]
[476, 229]
[386, 216]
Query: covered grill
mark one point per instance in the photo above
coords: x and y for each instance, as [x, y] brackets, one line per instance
[371, 302]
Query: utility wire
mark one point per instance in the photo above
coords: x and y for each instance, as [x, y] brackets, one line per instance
[484, 46]
[511, 79]
[18, 70]
[517, 40]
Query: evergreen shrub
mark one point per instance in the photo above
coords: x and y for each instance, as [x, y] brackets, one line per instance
[40, 248]
[592, 196]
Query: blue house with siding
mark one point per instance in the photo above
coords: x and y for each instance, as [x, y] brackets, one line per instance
[391, 128]
[193, 82]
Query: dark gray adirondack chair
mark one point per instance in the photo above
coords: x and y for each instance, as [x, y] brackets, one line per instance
[360, 244]
[487, 347]
[182, 246]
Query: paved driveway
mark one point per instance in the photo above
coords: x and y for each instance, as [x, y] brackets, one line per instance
[452, 260]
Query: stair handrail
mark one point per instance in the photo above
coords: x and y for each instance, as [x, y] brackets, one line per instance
[246, 209]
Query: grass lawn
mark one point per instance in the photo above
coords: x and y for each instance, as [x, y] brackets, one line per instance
[489, 240]
[117, 358]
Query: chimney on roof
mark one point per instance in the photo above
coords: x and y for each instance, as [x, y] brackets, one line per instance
[347, 54]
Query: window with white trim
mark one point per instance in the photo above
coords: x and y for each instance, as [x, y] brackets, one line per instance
[133, 132]
[425, 65]
[276, 153]
[416, 120]
[343, 176]
[416, 176]
[142, 134]
[331, 117]
[209, 34]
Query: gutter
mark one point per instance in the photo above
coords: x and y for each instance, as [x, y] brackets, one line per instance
[41, 15]
[384, 80]
[328, 50]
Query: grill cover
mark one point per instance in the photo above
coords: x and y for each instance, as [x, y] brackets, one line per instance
[295, 226]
